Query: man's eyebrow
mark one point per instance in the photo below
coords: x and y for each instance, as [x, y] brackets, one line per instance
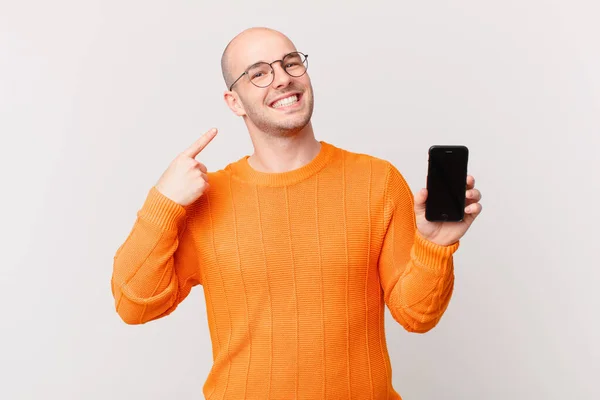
[266, 62]
[255, 64]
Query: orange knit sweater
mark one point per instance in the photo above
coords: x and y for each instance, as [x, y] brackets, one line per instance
[296, 269]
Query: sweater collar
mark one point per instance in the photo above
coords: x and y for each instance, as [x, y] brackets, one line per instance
[243, 170]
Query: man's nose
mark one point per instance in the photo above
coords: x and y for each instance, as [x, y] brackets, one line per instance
[280, 77]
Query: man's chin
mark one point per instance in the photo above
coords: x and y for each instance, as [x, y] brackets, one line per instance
[281, 124]
[288, 128]
[291, 120]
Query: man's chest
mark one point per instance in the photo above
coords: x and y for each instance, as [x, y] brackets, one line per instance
[322, 236]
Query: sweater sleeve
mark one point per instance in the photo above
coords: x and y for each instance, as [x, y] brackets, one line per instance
[417, 276]
[156, 267]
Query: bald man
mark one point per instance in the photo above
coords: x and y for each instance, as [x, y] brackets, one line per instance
[299, 247]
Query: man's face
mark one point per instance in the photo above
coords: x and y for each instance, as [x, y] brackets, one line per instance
[285, 106]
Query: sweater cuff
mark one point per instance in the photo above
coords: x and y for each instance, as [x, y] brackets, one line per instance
[432, 256]
[161, 211]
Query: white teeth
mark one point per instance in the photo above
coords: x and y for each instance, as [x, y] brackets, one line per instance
[286, 102]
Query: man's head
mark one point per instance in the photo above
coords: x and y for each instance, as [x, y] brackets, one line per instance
[257, 90]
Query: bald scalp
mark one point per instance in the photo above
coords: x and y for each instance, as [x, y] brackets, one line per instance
[226, 65]
[231, 48]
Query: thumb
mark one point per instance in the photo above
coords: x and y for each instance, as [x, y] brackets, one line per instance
[420, 198]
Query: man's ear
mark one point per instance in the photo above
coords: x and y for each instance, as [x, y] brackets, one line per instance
[234, 103]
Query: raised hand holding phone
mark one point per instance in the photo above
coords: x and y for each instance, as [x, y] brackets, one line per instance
[186, 179]
[448, 206]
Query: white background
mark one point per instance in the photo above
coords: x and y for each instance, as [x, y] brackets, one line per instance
[97, 97]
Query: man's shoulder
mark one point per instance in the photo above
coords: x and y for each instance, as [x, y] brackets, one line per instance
[225, 172]
[375, 163]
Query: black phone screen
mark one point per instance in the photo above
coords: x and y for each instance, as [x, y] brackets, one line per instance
[446, 183]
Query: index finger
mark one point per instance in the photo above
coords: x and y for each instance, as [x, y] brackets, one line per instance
[200, 144]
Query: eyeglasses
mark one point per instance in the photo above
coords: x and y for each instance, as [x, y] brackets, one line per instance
[262, 74]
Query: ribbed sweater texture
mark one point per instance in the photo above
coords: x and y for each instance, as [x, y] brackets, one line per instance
[297, 268]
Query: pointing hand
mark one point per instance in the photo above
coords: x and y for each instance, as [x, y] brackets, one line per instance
[186, 179]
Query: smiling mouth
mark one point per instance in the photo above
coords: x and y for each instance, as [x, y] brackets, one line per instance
[287, 101]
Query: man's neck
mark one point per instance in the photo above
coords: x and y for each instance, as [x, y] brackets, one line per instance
[281, 154]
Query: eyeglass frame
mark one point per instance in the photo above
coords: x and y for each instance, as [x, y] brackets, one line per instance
[272, 69]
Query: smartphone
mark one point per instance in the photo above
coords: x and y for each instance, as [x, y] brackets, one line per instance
[446, 183]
